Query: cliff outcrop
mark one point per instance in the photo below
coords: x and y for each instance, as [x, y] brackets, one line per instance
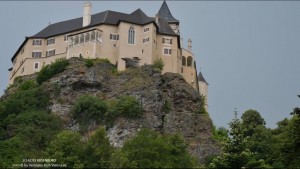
[170, 104]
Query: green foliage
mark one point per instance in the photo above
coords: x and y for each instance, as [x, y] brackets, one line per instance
[128, 106]
[88, 109]
[67, 148]
[158, 63]
[220, 134]
[251, 119]
[236, 154]
[89, 62]
[50, 70]
[158, 151]
[202, 109]
[98, 150]
[166, 107]
[26, 85]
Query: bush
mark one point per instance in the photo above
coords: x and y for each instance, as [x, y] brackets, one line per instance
[29, 84]
[89, 62]
[158, 63]
[50, 70]
[87, 109]
[150, 149]
[129, 107]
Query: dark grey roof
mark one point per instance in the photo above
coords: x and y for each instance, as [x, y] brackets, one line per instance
[106, 17]
[201, 78]
[164, 12]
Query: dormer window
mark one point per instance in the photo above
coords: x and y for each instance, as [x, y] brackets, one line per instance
[50, 41]
[37, 42]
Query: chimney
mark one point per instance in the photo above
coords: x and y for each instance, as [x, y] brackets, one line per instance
[87, 10]
[190, 45]
[181, 42]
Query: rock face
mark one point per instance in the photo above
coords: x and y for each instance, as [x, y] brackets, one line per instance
[153, 90]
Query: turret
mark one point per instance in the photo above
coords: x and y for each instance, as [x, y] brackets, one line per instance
[165, 13]
[203, 88]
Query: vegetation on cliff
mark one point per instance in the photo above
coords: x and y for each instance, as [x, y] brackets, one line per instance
[74, 111]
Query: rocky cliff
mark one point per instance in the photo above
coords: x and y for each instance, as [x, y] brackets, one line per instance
[170, 104]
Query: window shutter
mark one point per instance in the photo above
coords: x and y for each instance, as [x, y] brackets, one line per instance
[163, 40]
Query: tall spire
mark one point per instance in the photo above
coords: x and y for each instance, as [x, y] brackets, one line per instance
[164, 12]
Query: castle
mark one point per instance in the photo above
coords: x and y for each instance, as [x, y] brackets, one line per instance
[119, 37]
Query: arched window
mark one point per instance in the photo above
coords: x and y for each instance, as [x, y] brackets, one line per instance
[131, 35]
[87, 37]
[183, 61]
[189, 61]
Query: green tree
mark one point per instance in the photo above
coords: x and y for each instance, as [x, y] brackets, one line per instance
[98, 150]
[149, 149]
[128, 106]
[235, 154]
[88, 109]
[67, 148]
[250, 120]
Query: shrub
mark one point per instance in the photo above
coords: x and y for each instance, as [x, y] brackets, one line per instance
[158, 63]
[166, 107]
[129, 107]
[50, 70]
[87, 109]
[89, 62]
[29, 84]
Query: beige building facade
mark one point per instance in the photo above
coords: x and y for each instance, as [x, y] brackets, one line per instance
[112, 35]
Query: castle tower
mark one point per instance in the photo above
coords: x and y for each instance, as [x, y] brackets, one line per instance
[203, 88]
[164, 12]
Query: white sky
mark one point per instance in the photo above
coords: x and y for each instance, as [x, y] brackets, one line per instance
[248, 51]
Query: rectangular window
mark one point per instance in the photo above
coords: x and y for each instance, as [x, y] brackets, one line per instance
[50, 53]
[146, 29]
[36, 66]
[114, 37]
[146, 39]
[66, 38]
[50, 41]
[36, 54]
[37, 42]
[167, 51]
[167, 40]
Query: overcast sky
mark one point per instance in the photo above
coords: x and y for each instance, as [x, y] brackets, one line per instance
[248, 51]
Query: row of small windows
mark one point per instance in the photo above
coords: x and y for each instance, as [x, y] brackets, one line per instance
[36, 42]
[187, 61]
[84, 38]
[38, 54]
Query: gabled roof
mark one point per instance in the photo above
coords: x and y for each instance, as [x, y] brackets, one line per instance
[106, 17]
[201, 78]
[164, 12]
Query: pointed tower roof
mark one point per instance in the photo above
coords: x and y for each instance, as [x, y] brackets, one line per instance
[164, 12]
[201, 78]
